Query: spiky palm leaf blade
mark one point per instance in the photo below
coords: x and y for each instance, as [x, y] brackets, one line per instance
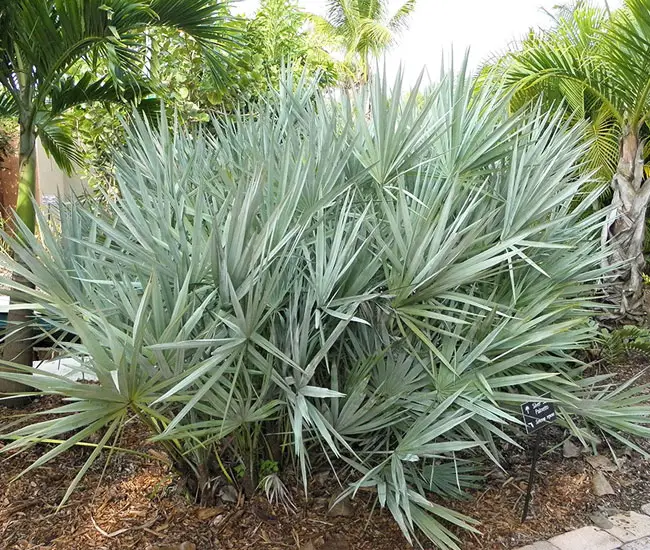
[376, 291]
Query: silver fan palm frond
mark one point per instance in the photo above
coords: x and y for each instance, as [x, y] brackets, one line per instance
[314, 285]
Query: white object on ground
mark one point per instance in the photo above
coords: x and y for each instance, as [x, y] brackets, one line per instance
[629, 527]
[66, 366]
[587, 538]
[69, 367]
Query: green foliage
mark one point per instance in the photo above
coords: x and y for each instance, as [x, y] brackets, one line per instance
[179, 76]
[97, 130]
[557, 67]
[43, 43]
[362, 30]
[268, 467]
[619, 344]
[318, 285]
[593, 66]
[8, 132]
[594, 63]
[277, 36]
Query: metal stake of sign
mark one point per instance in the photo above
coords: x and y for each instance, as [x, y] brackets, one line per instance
[531, 477]
[537, 414]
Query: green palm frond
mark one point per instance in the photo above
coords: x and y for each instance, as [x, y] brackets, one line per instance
[592, 51]
[51, 37]
[362, 28]
[59, 143]
[373, 36]
[338, 11]
[326, 29]
[209, 23]
[8, 107]
[71, 91]
[603, 134]
[593, 63]
[399, 20]
[44, 44]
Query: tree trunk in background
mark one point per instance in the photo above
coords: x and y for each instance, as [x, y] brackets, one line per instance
[9, 180]
[27, 177]
[627, 232]
[18, 344]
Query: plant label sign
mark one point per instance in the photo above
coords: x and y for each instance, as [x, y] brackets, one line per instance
[537, 414]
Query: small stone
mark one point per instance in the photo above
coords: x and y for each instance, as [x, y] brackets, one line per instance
[609, 510]
[602, 463]
[600, 486]
[600, 520]
[630, 526]
[342, 508]
[586, 538]
[208, 513]
[229, 494]
[646, 509]
[570, 450]
[641, 544]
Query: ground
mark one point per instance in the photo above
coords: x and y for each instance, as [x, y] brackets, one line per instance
[136, 504]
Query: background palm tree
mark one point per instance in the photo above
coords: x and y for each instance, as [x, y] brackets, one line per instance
[362, 29]
[595, 64]
[41, 41]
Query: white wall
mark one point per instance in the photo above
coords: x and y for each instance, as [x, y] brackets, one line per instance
[52, 181]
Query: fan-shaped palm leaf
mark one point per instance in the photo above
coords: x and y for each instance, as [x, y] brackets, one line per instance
[376, 290]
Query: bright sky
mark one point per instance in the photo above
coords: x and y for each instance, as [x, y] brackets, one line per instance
[484, 26]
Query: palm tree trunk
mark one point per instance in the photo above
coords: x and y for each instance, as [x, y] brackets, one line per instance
[18, 344]
[27, 176]
[627, 232]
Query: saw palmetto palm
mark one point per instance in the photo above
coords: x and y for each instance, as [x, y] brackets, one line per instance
[320, 287]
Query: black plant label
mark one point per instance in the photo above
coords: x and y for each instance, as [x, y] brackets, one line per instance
[537, 414]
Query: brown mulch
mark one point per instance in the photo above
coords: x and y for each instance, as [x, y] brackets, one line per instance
[562, 497]
[136, 503]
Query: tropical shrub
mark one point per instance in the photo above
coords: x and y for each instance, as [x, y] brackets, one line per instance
[319, 286]
[619, 344]
[594, 62]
